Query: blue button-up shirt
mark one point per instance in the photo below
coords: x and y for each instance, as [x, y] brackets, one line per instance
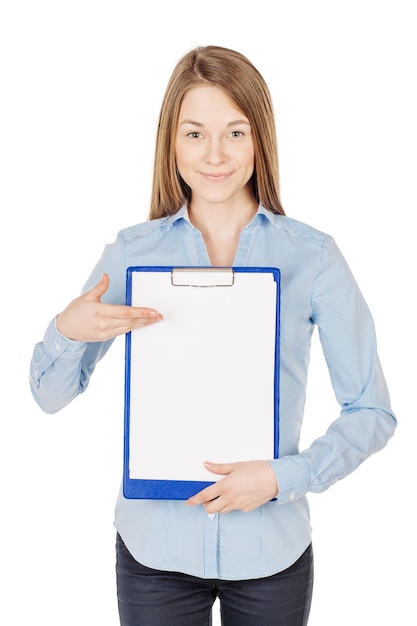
[317, 289]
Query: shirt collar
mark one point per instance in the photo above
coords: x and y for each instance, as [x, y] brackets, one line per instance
[266, 213]
[182, 213]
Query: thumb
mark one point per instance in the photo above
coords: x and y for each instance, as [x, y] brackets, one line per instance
[220, 468]
[100, 289]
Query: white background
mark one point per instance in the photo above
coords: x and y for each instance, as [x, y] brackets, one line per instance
[81, 84]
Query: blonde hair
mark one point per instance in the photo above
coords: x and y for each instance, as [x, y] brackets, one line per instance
[240, 80]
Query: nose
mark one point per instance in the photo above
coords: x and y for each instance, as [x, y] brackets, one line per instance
[215, 152]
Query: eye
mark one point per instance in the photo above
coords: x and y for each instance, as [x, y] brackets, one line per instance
[194, 134]
[236, 133]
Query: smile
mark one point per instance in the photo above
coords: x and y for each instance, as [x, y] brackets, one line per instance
[216, 177]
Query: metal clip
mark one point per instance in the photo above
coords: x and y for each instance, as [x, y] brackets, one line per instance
[202, 277]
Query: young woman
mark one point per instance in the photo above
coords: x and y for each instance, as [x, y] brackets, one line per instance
[245, 539]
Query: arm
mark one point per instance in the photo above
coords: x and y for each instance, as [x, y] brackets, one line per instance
[75, 341]
[366, 421]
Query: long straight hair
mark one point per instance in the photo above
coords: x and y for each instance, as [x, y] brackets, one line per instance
[240, 80]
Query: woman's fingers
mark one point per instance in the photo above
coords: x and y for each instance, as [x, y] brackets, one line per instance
[87, 319]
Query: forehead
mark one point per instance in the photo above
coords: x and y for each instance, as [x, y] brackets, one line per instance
[208, 102]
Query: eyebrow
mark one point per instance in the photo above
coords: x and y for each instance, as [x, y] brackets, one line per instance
[200, 125]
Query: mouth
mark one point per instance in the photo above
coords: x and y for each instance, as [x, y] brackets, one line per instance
[216, 177]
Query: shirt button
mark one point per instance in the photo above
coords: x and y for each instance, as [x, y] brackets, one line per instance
[291, 497]
[211, 515]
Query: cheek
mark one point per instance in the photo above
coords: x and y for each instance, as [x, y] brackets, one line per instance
[182, 156]
[246, 156]
[250, 160]
[182, 164]
[177, 152]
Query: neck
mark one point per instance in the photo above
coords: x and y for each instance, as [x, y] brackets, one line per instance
[222, 221]
[221, 228]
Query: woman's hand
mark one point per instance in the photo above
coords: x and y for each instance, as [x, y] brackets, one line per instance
[88, 319]
[245, 486]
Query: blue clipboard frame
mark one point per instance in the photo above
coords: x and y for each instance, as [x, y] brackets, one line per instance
[147, 488]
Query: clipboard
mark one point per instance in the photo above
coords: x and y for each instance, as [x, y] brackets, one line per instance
[203, 384]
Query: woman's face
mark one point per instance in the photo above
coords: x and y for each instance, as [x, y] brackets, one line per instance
[214, 147]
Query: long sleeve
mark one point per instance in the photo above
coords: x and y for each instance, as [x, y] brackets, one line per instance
[60, 369]
[366, 421]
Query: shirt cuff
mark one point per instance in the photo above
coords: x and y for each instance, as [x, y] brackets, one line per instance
[293, 476]
[55, 343]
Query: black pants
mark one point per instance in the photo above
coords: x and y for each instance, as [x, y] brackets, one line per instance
[149, 597]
